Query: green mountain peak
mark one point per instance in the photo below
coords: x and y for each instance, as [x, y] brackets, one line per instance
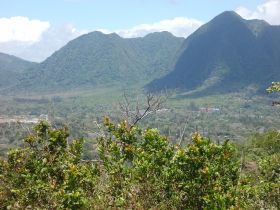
[225, 55]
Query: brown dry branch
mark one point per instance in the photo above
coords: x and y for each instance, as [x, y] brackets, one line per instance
[133, 113]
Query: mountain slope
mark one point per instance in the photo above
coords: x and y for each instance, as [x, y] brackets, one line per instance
[226, 54]
[96, 59]
[11, 68]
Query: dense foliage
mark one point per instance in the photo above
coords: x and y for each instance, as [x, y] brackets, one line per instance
[224, 55]
[135, 169]
[46, 173]
[261, 171]
[97, 59]
[261, 168]
[11, 68]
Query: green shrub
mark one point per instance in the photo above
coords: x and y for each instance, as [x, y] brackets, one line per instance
[135, 169]
[47, 173]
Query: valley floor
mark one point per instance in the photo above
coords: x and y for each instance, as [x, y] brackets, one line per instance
[234, 116]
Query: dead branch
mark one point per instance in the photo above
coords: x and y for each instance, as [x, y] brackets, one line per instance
[133, 114]
[182, 133]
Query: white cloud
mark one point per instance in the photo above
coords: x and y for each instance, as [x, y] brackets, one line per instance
[269, 11]
[21, 29]
[179, 26]
[50, 41]
[35, 43]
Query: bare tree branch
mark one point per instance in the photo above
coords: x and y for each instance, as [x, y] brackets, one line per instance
[182, 133]
[134, 114]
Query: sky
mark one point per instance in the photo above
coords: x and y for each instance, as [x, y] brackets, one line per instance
[34, 29]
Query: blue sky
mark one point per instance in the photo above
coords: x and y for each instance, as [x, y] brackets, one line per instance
[34, 29]
[116, 14]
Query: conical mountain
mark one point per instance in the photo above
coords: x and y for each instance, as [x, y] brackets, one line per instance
[225, 55]
[11, 68]
[97, 59]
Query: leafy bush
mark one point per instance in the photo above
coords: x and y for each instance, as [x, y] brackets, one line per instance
[47, 173]
[135, 169]
[260, 181]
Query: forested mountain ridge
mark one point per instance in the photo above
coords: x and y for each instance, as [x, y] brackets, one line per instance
[11, 68]
[97, 59]
[225, 55]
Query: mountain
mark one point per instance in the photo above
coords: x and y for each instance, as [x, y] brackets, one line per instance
[97, 59]
[11, 68]
[227, 54]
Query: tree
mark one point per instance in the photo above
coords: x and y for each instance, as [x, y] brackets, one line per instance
[134, 113]
[275, 86]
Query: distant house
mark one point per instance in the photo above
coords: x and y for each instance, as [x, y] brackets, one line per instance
[209, 109]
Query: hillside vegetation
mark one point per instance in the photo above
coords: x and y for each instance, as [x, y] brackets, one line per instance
[11, 69]
[97, 59]
[226, 55]
[139, 169]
